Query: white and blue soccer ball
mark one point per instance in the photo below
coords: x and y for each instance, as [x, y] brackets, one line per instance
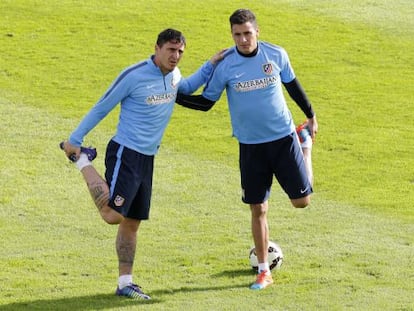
[274, 256]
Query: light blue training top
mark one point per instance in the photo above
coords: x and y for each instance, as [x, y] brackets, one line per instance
[255, 97]
[147, 100]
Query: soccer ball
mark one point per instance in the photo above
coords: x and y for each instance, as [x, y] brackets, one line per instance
[274, 256]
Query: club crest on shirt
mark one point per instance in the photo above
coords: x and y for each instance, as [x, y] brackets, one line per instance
[119, 201]
[267, 68]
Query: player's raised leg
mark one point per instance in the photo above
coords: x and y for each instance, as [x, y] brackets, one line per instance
[292, 174]
[98, 188]
[307, 156]
[306, 144]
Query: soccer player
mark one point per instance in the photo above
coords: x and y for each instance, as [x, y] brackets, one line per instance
[252, 73]
[146, 92]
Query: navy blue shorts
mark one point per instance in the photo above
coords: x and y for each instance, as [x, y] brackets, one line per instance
[282, 158]
[129, 177]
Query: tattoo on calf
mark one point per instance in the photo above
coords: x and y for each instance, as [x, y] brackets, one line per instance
[98, 193]
[126, 251]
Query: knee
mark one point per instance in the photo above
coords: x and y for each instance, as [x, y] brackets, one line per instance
[130, 225]
[301, 202]
[259, 210]
[110, 216]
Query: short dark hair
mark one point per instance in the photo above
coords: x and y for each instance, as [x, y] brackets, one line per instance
[242, 16]
[170, 35]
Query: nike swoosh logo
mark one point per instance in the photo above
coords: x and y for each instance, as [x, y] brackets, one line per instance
[239, 75]
[150, 86]
[303, 191]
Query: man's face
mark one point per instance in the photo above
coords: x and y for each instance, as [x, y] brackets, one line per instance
[245, 37]
[168, 56]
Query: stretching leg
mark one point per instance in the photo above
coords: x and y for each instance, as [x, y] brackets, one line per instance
[307, 155]
[99, 190]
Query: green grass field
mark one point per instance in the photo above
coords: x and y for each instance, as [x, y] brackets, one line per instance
[351, 250]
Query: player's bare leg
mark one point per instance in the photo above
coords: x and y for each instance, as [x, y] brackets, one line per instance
[260, 230]
[126, 241]
[306, 144]
[97, 186]
[307, 156]
[301, 202]
[99, 190]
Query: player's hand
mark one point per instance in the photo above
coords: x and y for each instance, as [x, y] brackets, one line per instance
[72, 152]
[218, 56]
[313, 127]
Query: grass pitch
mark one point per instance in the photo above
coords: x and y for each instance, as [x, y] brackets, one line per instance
[351, 250]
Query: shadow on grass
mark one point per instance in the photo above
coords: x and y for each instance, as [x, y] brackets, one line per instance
[234, 273]
[105, 301]
[93, 302]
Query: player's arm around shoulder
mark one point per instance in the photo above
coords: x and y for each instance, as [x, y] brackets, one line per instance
[196, 80]
[216, 58]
